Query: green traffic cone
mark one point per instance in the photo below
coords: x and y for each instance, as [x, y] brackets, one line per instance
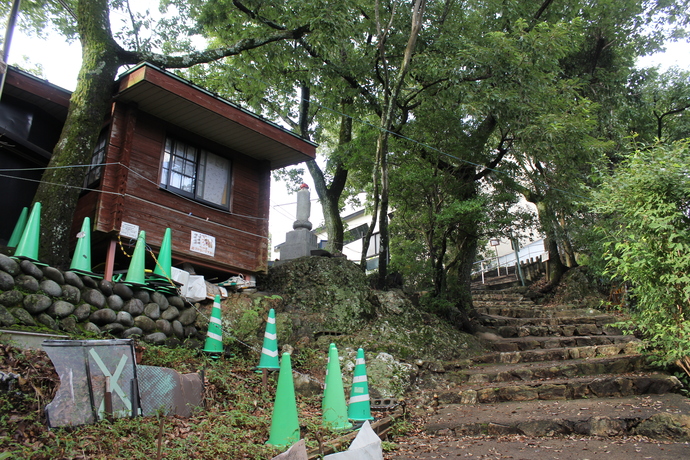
[136, 274]
[18, 228]
[359, 408]
[163, 268]
[214, 336]
[284, 423]
[81, 259]
[269, 352]
[333, 406]
[27, 248]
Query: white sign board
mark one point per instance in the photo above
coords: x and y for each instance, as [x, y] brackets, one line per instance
[128, 230]
[494, 242]
[203, 244]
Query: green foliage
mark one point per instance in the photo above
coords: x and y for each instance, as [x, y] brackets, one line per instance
[645, 229]
[182, 359]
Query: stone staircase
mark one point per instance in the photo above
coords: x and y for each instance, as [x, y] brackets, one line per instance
[554, 370]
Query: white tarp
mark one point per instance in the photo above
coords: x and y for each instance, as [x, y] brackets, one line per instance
[193, 286]
[366, 446]
[298, 451]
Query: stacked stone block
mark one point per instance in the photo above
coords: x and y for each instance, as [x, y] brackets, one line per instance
[36, 296]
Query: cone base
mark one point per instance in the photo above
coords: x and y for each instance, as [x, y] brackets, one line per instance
[86, 273]
[30, 259]
[213, 348]
[260, 369]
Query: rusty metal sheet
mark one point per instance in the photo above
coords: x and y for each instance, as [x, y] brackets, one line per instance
[165, 391]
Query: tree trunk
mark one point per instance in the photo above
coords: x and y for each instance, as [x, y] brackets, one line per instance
[63, 179]
[329, 195]
[556, 266]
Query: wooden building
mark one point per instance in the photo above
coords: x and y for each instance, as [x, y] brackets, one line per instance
[32, 112]
[173, 155]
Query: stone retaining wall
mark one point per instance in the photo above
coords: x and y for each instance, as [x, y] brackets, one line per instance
[65, 301]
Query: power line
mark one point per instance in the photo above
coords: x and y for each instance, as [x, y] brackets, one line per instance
[128, 195]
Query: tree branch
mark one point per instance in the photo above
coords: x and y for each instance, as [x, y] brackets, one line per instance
[209, 55]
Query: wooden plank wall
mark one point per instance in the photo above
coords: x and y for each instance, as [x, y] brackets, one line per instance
[137, 140]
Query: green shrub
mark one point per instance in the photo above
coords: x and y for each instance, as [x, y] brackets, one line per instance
[644, 211]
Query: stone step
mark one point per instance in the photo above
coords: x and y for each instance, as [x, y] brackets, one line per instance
[498, 296]
[532, 343]
[513, 300]
[535, 312]
[602, 386]
[524, 372]
[557, 354]
[607, 417]
[517, 327]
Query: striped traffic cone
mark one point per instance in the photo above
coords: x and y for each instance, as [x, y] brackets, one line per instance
[284, 422]
[18, 228]
[359, 408]
[333, 406]
[214, 336]
[269, 352]
[27, 248]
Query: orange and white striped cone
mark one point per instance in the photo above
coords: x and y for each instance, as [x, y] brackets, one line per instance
[359, 408]
[269, 351]
[214, 336]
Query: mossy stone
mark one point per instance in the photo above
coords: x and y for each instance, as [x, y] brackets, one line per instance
[152, 310]
[9, 265]
[161, 300]
[27, 283]
[73, 279]
[134, 307]
[31, 269]
[132, 331]
[23, 316]
[11, 298]
[124, 291]
[115, 302]
[60, 309]
[82, 312]
[36, 303]
[145, 323]
[47, 321]
[142, 295]
[6, 318]
[170, 313]
[103, 317]
[6, 281]
[54, 274]
[71, 294]
[94, 297]
[125, 319]
[51, 288]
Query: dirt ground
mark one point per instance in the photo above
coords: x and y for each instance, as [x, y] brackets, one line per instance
[525, 448]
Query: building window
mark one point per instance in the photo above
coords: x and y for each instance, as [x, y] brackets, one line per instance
[196, 173]
[97, 159]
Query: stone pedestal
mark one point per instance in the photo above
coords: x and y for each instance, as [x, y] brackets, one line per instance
[301, 241]
[298, 243]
